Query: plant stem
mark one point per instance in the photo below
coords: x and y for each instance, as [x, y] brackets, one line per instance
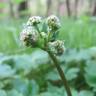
[38, 30]
[61, 73]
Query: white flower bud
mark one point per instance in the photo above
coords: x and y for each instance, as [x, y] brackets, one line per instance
[57, 47]
[34, 20]
[29, 36]
[53, 22]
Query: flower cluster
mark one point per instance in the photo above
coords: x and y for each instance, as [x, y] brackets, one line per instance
[34, 36]
[29, 36]
[57, 47]
[53, 22]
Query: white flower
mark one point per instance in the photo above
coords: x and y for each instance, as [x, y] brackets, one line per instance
[53, 22]
[34, 20]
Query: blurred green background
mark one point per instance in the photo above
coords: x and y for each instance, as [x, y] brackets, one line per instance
[30, 72]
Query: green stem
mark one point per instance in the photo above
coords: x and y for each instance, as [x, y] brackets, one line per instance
[36, 26]
[61, 73]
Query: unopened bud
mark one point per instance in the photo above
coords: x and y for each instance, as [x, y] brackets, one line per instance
[34, 20]
[29, 36]
[53, 22]
[57, 47]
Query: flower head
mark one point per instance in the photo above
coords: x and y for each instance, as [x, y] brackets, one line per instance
[57, 47]
[53, 22]
[34, 20]
[37, 36]
[29, 36]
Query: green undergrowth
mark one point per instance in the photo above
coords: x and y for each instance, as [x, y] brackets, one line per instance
[33, 75]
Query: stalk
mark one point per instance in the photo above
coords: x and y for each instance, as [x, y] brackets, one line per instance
[61, 73]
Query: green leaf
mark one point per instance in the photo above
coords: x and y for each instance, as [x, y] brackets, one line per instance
[26, 87]
[33, 88]
[72, 73]
[90, 73]
[6, 71]
[14, 93]
[20, 85]
[86, 93]
[3, 93]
